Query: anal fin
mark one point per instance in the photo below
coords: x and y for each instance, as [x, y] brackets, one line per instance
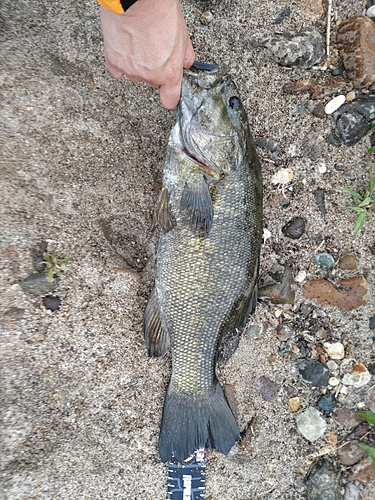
[157, 338]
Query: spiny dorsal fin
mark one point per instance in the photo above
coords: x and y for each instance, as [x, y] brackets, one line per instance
[157, 339]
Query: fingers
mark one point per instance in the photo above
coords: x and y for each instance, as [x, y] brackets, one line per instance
[170, 95]
[189, 54]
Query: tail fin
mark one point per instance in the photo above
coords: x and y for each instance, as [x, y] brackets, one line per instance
[192, 422]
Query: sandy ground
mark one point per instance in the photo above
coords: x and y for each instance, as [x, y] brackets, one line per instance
[81, 165]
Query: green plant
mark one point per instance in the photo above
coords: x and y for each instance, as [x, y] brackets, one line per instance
[369, 416]
[365, 203]
[53, 264]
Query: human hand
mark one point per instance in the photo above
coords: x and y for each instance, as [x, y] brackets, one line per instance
[150, 43]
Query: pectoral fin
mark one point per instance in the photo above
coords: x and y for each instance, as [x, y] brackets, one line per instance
[196, 201]
[162, 214]
[157, 339]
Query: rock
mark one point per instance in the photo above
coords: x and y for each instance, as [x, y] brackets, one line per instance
[335, 350]
[312, 145]
[350, 294]
[294, 228]
[364, 472]
[278, 285]
[322, 168]
[354, 119]
[351, 492]
[255, 330]
[285, 13]
[313, 373]
[304, 49]
[333, 381]
[350, 454]
[323, 481]
[206, 17]
[320, 201]
[338, 71]
[282, 176]
[347, 418]
[334, 104]
[284, 332]
[356, 44]
[294, 403]
[339, 167]
[370, 12]
[324, 260]
[301, 276]
[318, 110]
[315, 89]
[325, 403]
[37, 256]
[313, 8]
[372, 322]
[310, 424]
[52, 303]
[357, 377]
[266, 388]
[350, 96]
[333, 140]
[348, 262]
[37, 284]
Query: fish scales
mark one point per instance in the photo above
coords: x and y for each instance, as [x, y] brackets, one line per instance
[207, 261]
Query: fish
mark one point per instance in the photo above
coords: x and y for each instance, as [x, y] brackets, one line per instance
[207, 262]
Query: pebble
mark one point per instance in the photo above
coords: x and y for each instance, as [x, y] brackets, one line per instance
[52, 303]
[313, 8]
[301, 276]
[372, 323]
[302, 49]
[350, 294]
[311, 424]
[37, 284]
[351, 492]
[334, 104]
[206, 17]
[370, 12]
[356, 44]
[323, 481]
[320, 200]
[318, 110]
[294, 403]
[333, 140]
[267, 388]
[294, 228]
[353, 119]
[312, 145]
[322, 168]
[338, 70]
[335, 350]
[285, 13]
[333, 382]
[282, 176]
[347, 418]
[348, 262]
[314, 373]
[357, 377]
[284, 332]
[364, 472]
[350, 96]
[350, 454]
[324, 260]
[332, 365]
[339, 167]
[255, 330]
[325, 403]
[278, 286]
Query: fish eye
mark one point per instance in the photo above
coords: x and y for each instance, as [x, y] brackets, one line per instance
[234, 102]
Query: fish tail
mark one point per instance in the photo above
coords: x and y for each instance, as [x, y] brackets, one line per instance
[190, 423]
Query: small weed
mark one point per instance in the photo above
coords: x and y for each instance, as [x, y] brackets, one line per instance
[53, 264]
[365, 203]
[369, 416]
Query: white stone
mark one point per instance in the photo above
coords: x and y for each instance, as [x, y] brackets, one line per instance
[282, 176]
[370, 12]
[311, 424]
[335, 350]
[301, 276]
[358, 377]
[266, 234]
[322, 168]
[332, 365]
[344, 390]
[333, 381]
[334, 104]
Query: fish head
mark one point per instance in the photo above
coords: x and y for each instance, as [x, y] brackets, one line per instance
[212, 121]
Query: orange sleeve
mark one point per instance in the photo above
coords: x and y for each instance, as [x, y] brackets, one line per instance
[114, 5]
